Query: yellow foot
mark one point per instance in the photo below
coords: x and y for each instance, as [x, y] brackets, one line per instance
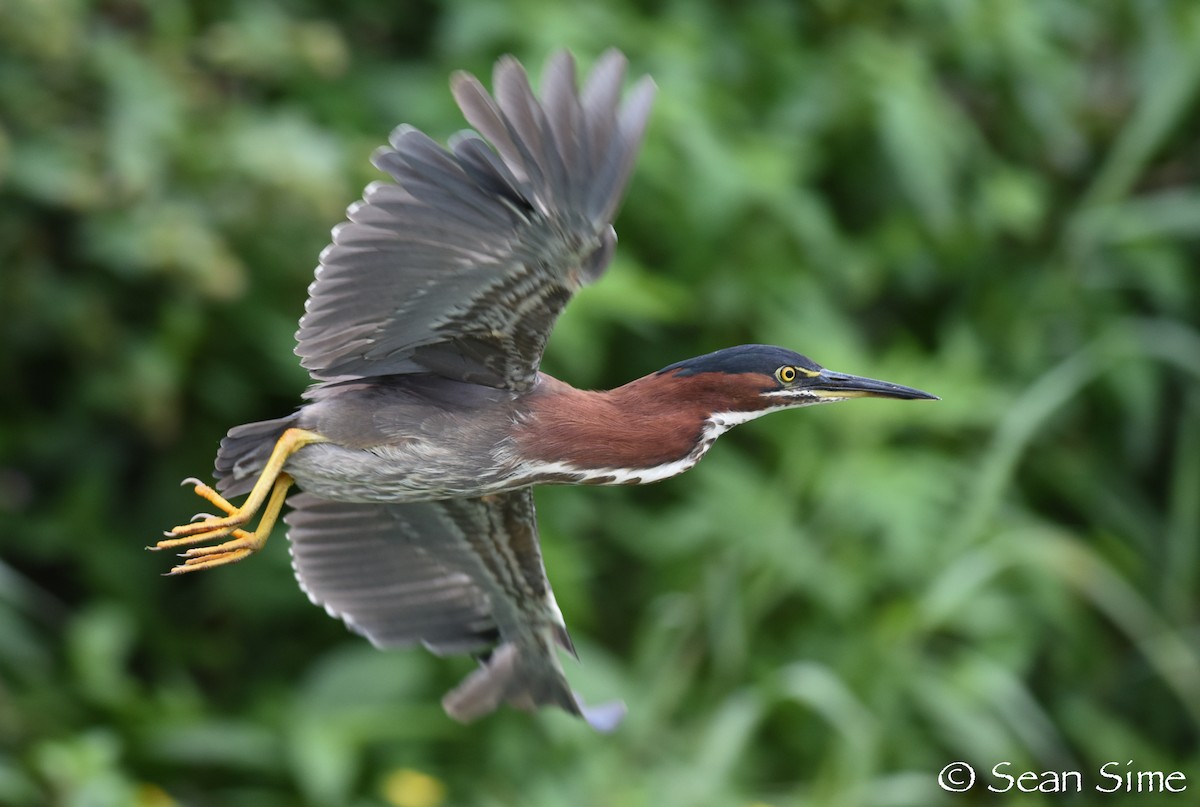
[204, 527]
[268, 494]
[209, 528]
[243, 545]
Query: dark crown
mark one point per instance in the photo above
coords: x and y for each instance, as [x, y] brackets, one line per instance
[764, 359]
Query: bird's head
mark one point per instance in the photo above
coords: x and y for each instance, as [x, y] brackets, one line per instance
[661, 424]
[750, 380]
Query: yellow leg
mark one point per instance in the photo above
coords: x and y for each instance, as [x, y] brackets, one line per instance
[270, 489]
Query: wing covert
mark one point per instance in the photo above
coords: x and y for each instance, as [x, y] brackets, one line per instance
[463, 265]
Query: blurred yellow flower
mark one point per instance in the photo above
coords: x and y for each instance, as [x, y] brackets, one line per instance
[149, 795]
[405, 787]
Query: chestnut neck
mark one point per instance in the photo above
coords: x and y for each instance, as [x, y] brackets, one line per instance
[650, 422]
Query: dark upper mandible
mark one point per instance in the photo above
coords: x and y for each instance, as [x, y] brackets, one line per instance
[463, 265]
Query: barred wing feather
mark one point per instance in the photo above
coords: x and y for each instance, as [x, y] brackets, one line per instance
[462, 266]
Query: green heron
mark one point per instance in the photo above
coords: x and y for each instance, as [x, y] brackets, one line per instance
[429, 423]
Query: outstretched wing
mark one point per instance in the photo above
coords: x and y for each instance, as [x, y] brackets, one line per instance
[453, 575]
[353, 560]
[462, 267]
[461, 575]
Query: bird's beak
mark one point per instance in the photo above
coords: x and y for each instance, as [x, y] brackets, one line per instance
[828, 384]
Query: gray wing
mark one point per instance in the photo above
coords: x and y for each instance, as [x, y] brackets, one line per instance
[462, 266]
[460, 575]
[453, 575]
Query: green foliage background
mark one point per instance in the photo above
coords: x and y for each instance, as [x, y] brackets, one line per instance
[997, 201]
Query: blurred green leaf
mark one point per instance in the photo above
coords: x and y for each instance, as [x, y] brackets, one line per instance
[996, 201]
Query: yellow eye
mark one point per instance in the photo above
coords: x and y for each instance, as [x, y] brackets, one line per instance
[786, 374]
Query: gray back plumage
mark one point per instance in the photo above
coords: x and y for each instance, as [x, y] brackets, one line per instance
[463, 265]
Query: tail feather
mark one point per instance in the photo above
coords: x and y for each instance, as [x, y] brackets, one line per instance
[510, 676]
[245, 451]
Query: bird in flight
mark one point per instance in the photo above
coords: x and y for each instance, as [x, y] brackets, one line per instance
[428, 423]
